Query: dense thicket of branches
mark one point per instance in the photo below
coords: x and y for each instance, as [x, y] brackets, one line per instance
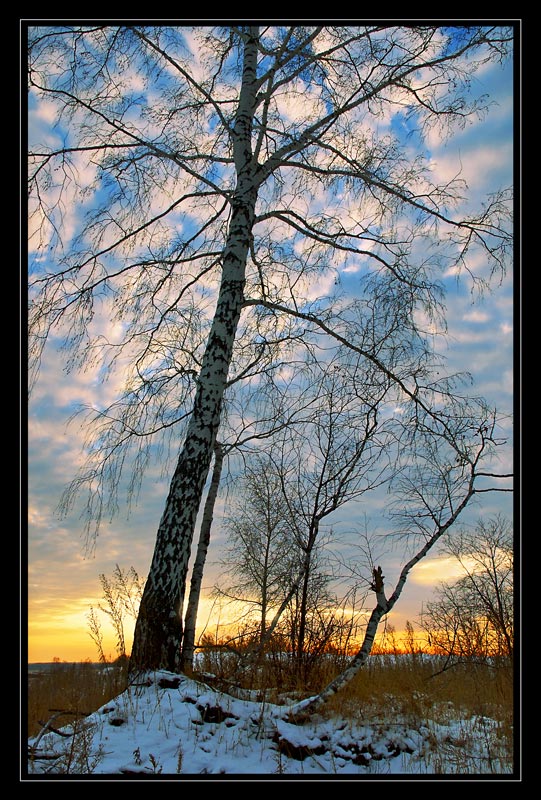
[192, 212]
[473, 617]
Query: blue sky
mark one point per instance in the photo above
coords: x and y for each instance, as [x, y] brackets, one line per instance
[63, 578]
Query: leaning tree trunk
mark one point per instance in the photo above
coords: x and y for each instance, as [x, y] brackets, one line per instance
[190, 619]
[158, 631]
[384, 605]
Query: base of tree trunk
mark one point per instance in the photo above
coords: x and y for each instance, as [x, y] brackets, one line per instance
[157, 641]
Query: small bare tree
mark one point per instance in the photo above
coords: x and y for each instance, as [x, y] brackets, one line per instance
[308, 470]
[336, 457]
[473, 617]
[430, 492]
[261, 555]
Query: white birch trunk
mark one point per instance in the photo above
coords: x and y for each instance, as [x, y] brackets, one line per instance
[158, 631]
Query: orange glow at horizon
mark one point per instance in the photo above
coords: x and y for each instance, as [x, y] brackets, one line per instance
[67, 637]
[58, 628]
[65, 634]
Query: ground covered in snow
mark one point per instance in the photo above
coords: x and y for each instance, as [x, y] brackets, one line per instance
[168, 725]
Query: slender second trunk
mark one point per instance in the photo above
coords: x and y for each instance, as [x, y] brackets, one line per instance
[190, 619]
[158, 630]
[312, 537]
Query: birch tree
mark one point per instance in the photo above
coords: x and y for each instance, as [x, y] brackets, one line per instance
[430, 494]
[190, 619]
[203, 189]
[339, 455]
[261, 556]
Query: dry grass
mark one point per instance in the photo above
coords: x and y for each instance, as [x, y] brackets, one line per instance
[79, 689]
[465, 711]
[405, 686]
[410, 685]
[403, 689]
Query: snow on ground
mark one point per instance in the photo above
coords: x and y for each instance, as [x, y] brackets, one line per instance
[170, 725]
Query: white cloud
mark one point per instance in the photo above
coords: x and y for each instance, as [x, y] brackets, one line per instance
[299, 106]
[477, 165]
[433, 570]
[37, 518]
[44, 111]
[62, 204]
[476, 316]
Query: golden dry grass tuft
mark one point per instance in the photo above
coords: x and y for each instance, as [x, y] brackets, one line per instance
[77, 689]
[415, 686]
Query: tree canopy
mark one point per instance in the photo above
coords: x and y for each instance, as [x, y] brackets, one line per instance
[198, 199]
